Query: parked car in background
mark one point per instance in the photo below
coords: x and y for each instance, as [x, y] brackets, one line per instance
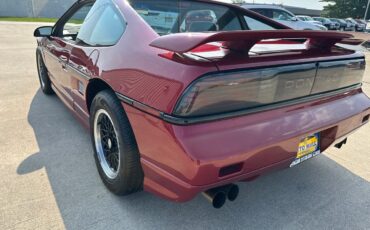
[368, 27]
[309, 19]
[362, 24]
[343, 25]
[336, 23]
[358, 26]
[326, 22]
[200, 101]
[282, 16]
[352, 24]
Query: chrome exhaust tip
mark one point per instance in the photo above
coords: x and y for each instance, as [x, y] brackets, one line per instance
[216, 196]
[232, 192]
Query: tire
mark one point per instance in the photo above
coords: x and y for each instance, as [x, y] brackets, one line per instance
[116, 153]
[44, 79]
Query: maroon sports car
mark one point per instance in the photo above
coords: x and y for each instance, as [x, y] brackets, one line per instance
[183, 97]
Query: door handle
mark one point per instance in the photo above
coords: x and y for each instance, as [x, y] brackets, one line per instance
[63, 58]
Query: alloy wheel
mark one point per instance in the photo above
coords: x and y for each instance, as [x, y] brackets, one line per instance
[106, 144]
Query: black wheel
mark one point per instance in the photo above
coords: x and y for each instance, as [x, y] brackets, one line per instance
[45, 83]
[116, 153]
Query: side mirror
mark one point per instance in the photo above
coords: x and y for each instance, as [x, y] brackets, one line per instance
[44, 31]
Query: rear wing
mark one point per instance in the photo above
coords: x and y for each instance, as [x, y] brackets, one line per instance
[245, 40]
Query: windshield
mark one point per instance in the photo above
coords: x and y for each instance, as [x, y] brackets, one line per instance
[178, 16]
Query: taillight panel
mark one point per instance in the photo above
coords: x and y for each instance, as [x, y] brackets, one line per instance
[232, 91]
[338, 74]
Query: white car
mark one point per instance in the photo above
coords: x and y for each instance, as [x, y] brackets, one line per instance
[283, 16]
[309, 19]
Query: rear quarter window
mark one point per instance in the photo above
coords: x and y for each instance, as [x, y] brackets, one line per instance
[103, 26]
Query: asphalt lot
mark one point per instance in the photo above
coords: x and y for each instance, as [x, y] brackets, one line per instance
[48, 178]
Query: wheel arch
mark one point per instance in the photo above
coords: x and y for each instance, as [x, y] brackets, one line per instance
[95, 86]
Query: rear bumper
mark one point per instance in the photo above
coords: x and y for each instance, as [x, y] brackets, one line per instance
[181, 161]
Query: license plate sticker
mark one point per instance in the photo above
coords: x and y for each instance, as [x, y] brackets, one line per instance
[308, 148]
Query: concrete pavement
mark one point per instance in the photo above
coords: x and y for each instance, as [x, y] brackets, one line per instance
[48, 178]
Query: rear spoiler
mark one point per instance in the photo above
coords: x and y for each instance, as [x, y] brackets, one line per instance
[245, 40]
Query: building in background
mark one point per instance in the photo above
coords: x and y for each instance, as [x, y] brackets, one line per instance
[34, 8]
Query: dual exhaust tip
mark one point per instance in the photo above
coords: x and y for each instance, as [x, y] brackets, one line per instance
[217, 196]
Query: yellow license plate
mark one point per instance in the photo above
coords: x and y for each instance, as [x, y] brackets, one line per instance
[308, 147]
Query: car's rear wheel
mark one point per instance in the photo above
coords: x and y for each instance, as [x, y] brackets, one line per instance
[45, 83]
[116, 152]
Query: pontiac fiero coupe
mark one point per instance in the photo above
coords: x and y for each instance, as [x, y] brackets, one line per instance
[191, 96]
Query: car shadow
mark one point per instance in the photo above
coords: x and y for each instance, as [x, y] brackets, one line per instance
[317, 194]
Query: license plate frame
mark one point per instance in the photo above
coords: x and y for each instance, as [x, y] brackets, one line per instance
[308, 148]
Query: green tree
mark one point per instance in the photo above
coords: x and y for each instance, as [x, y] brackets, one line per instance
[345, 9]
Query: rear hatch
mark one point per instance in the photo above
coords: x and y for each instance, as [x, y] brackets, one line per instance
[257, 68]
[297, 72]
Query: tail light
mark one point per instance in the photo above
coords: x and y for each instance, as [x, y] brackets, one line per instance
[230, 92]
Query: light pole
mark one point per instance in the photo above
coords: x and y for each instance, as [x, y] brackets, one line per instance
[367, 9]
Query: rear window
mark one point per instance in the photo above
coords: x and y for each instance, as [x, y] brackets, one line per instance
[170, 16]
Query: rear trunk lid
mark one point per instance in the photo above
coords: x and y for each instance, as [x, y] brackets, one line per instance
[300, 63]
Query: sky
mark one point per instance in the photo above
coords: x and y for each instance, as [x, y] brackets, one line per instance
[312, 4]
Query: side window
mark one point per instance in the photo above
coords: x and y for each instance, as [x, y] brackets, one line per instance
[254, 24]
[282, 15]
[103, 26]
[72, 27]
[108, 29]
